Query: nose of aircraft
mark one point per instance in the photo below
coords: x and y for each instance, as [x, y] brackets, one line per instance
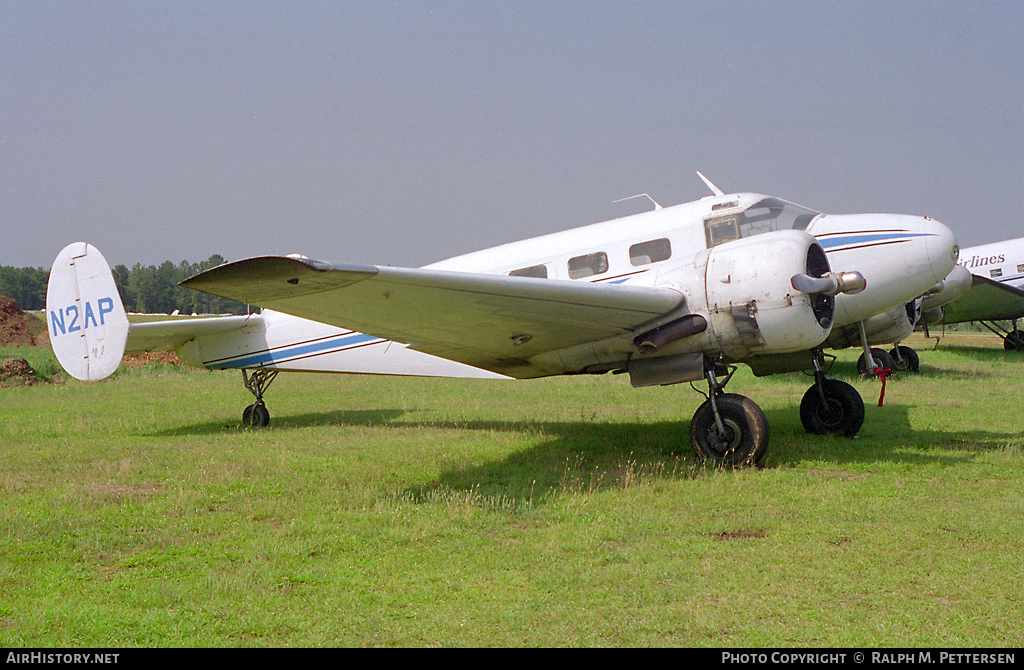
[901, 256]
[941, 247]
[922, 245]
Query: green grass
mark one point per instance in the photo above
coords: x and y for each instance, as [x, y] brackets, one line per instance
[561, 512]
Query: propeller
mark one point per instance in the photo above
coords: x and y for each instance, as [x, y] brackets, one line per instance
[850, 283]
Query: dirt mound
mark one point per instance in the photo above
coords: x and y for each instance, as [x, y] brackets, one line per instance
[16, 372]
[14, 326]
[20, 329]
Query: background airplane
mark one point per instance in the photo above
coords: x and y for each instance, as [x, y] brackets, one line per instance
[673, 295]
[992, 292]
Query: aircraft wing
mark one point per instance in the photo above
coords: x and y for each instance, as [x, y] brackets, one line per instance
[986, 300]
[494, 322]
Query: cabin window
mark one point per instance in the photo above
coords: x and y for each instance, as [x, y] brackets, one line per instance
[1020, 267]
[650, 252]
[538, 271]
[588, 266]
[996, 273]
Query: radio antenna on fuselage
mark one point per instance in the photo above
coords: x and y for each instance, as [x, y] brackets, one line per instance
[639, 195]
[714, 189]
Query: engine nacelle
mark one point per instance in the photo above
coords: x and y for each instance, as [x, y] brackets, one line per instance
[743, 290]
[752, 305]
[893, 325]
[956, 283]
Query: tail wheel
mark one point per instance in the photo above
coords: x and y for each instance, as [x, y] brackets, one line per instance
[840, 413]
[744, 438]
[905, 359]
[256, 416]
[881, 358]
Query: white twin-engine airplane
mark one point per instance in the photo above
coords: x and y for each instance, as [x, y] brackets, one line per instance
[676, 294]
[988, 285]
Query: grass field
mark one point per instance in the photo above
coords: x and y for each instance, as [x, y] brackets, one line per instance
[559, 512]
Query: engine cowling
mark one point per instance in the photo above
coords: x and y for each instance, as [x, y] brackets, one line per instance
[743, 290]
[752, 305]
[956, 283]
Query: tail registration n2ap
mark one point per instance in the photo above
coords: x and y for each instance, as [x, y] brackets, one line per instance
[87, 323]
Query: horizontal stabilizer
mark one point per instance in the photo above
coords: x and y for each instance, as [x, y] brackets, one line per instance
[172, 334]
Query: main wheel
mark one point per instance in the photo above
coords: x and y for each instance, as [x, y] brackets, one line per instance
[907, 359]
[746, 432]
[256, 416]
[1014, 341]
[881, 358]
[842, 412]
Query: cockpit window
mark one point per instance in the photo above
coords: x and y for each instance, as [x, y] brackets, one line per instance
[761, 217]
[537, 271]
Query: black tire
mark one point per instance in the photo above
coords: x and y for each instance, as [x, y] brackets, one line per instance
[881, 359]
[256, 416]
[906, 361]
[746, 428]
[1014, 341]
[842, 413]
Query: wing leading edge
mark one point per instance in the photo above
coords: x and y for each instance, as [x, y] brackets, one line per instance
[494, 322]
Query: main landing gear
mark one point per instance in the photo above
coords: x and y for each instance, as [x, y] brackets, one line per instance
[256, 414]
[1013, 340]
[900, 359]
[831, 406]
[905, 359]
[879, 360]
[728, 428]
[731, 430]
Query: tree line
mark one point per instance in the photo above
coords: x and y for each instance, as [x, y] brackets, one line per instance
[143, 288]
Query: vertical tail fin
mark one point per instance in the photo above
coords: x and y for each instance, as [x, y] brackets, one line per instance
[87, 323]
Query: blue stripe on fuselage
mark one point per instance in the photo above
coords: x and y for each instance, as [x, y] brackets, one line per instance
[312, 349]
[859, 238]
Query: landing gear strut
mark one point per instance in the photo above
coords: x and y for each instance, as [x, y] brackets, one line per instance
[728, 429]
[1013, 340]
[256, 414]
[831, 406]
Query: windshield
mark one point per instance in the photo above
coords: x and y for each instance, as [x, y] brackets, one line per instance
[763, 216]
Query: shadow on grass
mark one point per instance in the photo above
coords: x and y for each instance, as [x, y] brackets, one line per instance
[589, 455]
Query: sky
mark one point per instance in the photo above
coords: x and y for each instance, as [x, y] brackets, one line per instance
[405, 132]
